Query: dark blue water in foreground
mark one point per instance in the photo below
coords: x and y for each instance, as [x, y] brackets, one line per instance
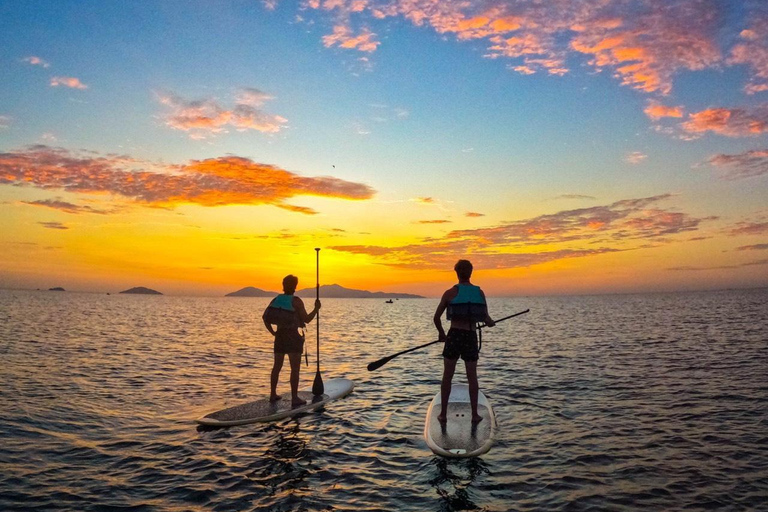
[626, 402]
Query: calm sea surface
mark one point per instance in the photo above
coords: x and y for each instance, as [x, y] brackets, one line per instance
[626, 402]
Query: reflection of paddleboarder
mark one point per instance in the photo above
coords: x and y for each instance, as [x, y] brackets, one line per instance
[289, 315]
[465, 305]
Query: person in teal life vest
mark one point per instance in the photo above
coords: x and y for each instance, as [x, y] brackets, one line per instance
[287, 312]
[465, 306]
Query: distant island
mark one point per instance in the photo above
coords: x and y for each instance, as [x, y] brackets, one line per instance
[250, 291]
[335, 291]
[142, 291]
[56, 289]
[328, 291]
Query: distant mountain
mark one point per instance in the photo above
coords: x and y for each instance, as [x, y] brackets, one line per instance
[335, 291]
[250, 291]
[56, 289]
[142, 291]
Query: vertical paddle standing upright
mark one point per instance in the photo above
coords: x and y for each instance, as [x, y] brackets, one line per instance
[317, 386]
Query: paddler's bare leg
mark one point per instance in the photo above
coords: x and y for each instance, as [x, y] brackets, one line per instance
[473, 389]
[276, 367]
[449, 367]
[295, 359]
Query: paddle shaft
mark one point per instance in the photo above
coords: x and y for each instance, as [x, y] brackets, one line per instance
[317, 297]
[381, 362]
[317, 386]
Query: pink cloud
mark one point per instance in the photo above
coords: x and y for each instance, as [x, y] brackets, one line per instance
[67, 81]
[752, 50]
[743, 165]
[212, 182]
[644, 43]
[656, 111]
[734, 122]
[635, 157]
[203, 118]
[343, 37]
[36, 61]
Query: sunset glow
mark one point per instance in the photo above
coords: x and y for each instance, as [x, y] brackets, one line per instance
[563, 147]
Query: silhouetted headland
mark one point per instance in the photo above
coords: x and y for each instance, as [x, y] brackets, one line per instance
[335, 291]
[142, 291]
[250, 291]
[56, 289]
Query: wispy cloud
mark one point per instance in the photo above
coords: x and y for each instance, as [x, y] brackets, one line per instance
[752, 227]
[67, 81]
[743, 165]
[212, 182]
[635, 157]
[67, 207]
[435, 221]
[424, 200]
[474, 214]
[755, 247]
[206, 117]
[36, 61]
[574, 196]
[719, 267]
[730, 122]
[53, 225]
[623, 225]
[5, 121]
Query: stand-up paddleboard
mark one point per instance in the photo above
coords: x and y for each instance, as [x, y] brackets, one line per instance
[458, 437]
[264, 410]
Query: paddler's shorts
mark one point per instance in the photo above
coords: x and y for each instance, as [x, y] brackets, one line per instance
[289, 341]
[462, 343]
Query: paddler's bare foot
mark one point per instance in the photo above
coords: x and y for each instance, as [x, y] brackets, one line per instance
[441, 418]
[275, 398]
[476, 419]
[296, 401]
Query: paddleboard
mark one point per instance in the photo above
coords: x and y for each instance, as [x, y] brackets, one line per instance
[458, 437]
[263, 410]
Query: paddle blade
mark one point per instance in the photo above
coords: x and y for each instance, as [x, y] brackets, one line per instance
[378, 364]
[317, 387]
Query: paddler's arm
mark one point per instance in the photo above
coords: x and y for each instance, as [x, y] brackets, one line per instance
[488, 320]
[269, 326]
[305, 317]
[438, 315]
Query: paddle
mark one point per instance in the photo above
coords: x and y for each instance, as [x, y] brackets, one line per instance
[384, 360]
[317, 386]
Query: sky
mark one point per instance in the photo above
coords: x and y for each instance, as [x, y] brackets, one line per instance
[564, 147]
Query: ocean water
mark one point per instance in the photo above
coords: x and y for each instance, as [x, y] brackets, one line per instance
[622, 402]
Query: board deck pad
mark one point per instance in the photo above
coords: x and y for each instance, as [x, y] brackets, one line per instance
[457, 436]
[454, 435]
[264, 410]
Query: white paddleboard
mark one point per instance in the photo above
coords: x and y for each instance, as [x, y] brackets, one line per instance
[264, 410]
[458, 437]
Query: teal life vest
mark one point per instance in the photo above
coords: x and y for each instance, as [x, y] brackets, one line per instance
[469, 304]
[282, 313]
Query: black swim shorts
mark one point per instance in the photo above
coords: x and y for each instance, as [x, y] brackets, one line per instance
[461, 343]
[289, 341]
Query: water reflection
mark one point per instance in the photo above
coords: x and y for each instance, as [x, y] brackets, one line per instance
[454, 480]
